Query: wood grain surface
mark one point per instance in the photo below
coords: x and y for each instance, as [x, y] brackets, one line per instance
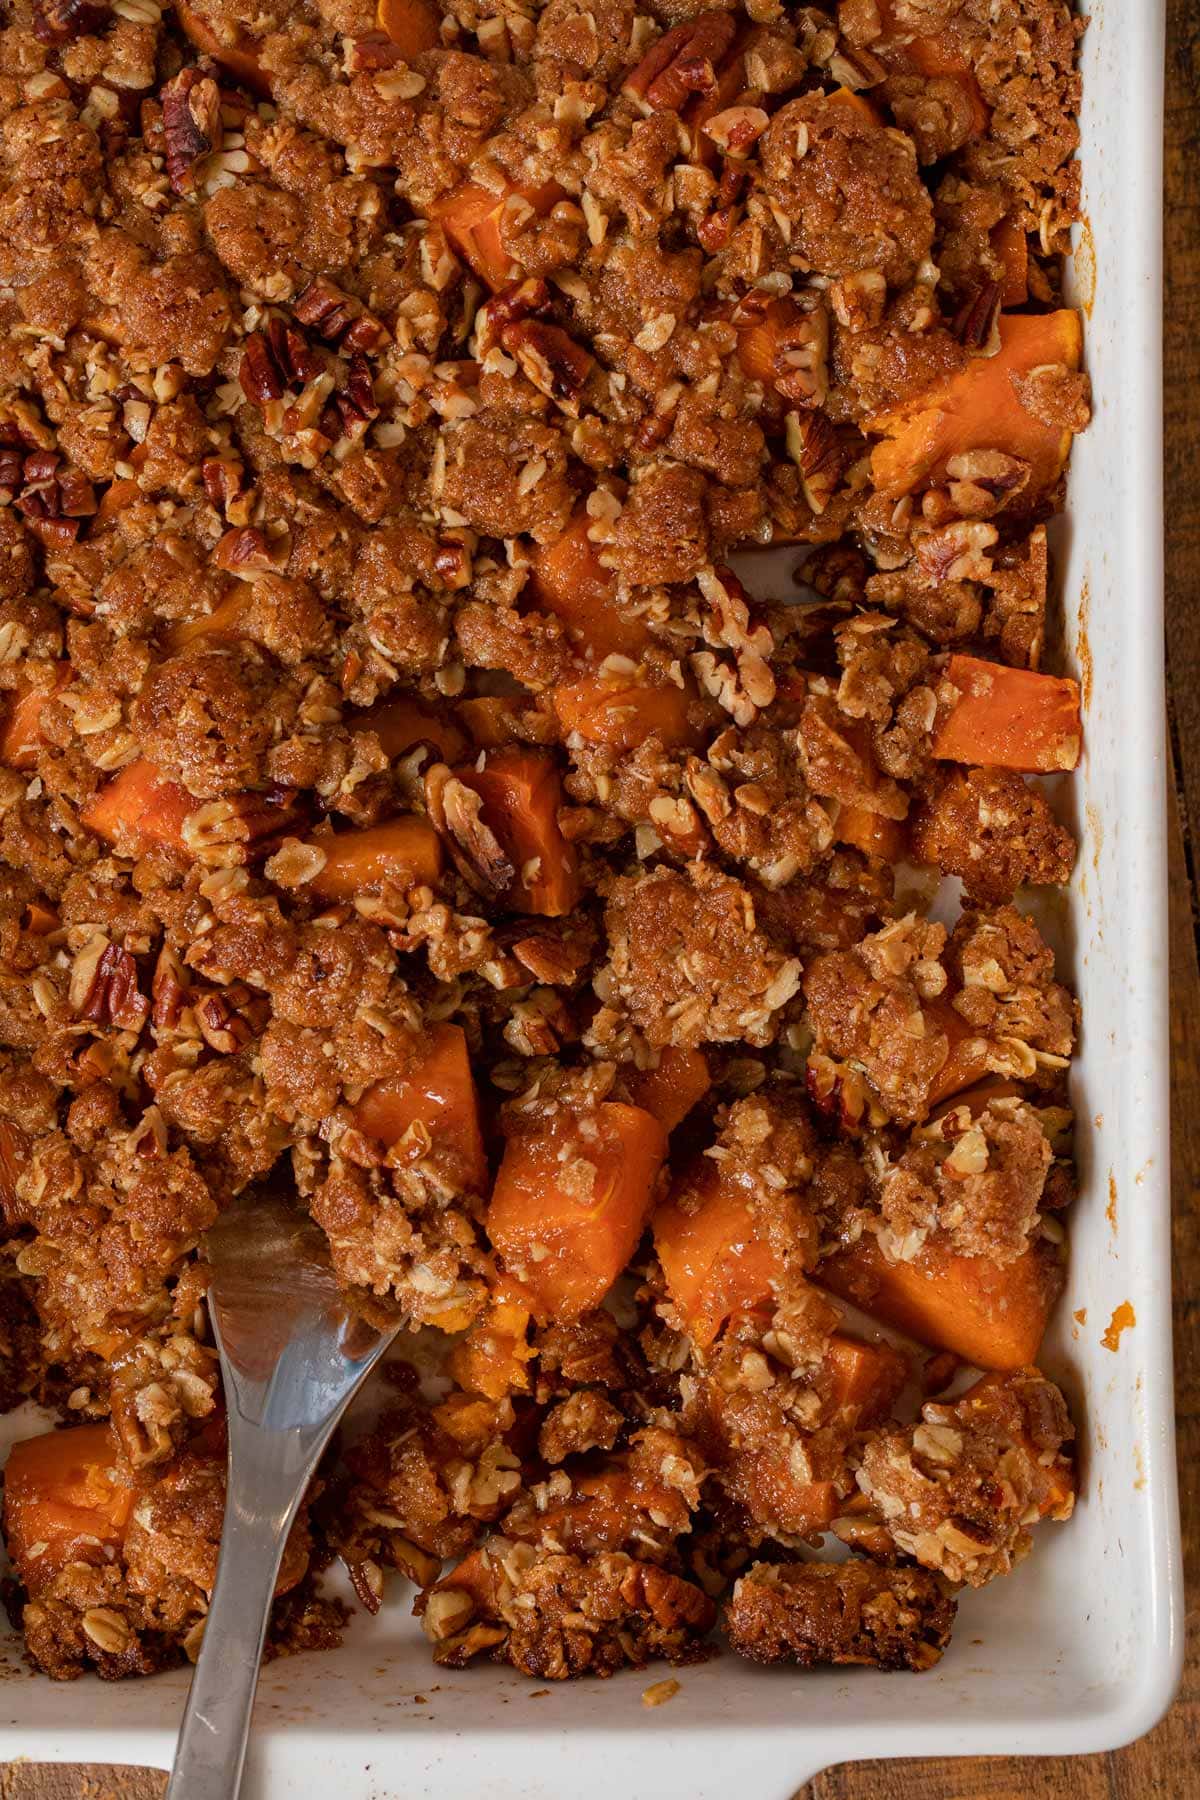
[1166, 1764]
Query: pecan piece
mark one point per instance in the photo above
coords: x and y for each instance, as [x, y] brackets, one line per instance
[977, 324]
[168, 991]
[682, 63]
[338, 318]
[815, 448]
[454, 811]
[53, 500]
[245, 552]
[60, 21]
[275, 360]
[222, 477]
[191, 110]
[351, 407]
[112, 995]
[551, 359]
[243, 828]
[221, 1025]
[736, 130]
[525, 299]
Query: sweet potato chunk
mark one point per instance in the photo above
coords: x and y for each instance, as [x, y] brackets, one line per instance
[20, 721]
[680, 1082]
[412, 25]
[624, 713]
[240, 56]
[521, 794]
[66, 1499]
[1011, 245]
[871, 833]
[1059, 1500]
[570, 1203]
[471, 218]
[1007, 718]
[139, 810]
[438, 1093]
[568, 579]
[225, 620]
[493, 1358]
[489, 719]
[713, 1263]
[404, 850]
[866, 1376]
[990, 1315]
[403, 722]
[978, 409]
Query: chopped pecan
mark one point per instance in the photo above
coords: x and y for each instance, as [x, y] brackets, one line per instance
[222, 1027]
[525, 299]
[338, 318]
[351, 407]
[112, 995]
[981, 482]
[53, 499]
[243, 828]
[244, 551]
[168, 991]
[977, 324]
[275, 360]
[551, 359]
[957, 552]
[683, 62]
[454, 810]
[222, 477]
[817, 451]
[60, 21]
[191, 109]
[736, 130]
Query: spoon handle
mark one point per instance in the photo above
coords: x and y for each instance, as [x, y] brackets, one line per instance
[261, 1503]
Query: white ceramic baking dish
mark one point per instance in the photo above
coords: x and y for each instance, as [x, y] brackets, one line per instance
[1081, 1649]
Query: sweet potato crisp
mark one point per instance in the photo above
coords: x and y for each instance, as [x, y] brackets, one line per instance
[416, 789]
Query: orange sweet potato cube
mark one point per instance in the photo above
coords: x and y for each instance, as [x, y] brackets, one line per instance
[565, 1240]
[1007, 718]
[568, 579]
[623, 713]
[225, 620]
[404, 850]
[871, 833]
[412, 25]
[20, 721]
[978, 409]
[139, 810]
[714, 1264]
[521, 794]
[471, 218]
[680, 1082]
[991, 1315]
[403, 722]
[240, 55]
[436, 1091]
[67, 1498]
[866, 1376]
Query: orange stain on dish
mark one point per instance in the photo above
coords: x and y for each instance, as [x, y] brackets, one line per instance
[1081, 1316]
[1084, 258]
[1083, 646]
[1110, 1211]
[1123, 1319]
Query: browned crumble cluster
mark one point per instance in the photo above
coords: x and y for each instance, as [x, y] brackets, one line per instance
[407, 789]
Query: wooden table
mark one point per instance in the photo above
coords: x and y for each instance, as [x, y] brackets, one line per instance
[1167, 1762]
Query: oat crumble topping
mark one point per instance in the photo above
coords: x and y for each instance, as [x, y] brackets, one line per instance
[407, 792]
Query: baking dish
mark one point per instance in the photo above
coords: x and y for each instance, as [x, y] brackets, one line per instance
[1080, 1650]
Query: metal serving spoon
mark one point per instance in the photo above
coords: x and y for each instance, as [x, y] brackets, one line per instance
[293, 1354]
